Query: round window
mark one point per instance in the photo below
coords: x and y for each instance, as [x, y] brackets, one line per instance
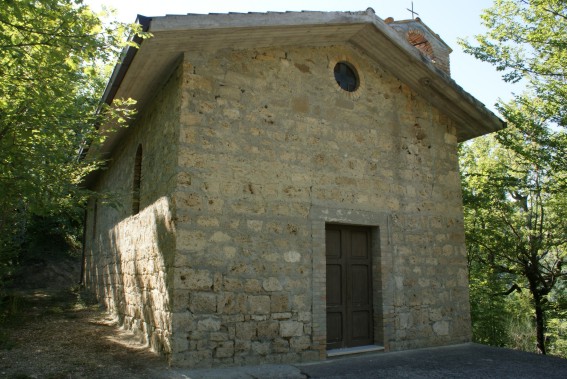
[346, 76]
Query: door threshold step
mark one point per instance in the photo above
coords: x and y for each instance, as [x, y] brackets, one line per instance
[354, 350]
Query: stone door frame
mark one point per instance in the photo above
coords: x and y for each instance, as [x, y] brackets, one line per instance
[382, 257]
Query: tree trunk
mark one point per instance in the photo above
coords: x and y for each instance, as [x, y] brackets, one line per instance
[539, 323]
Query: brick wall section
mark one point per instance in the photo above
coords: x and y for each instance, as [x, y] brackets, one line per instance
[414, 31]
[130, 257]
[271, 149]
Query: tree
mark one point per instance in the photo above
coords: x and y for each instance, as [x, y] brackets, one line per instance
[514, 207]
[527, 40]
[53, 66]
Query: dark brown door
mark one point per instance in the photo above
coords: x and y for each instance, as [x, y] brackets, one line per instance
[349, 287]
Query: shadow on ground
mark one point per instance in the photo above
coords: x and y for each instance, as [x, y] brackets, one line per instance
[62, 333]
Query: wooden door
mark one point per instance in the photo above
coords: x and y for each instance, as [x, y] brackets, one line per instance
[349, 286]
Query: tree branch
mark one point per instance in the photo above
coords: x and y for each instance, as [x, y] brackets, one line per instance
[45, 33]
[514, 287]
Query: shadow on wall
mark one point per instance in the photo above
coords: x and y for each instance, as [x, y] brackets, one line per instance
[137, 260]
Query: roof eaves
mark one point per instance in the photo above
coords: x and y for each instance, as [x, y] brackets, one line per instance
[126, 58]
[428, 80]
[436, 82]
[255, 19]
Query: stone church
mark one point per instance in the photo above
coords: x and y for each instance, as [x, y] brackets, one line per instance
[289, 189]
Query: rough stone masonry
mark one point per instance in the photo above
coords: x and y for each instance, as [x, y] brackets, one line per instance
[250, 150]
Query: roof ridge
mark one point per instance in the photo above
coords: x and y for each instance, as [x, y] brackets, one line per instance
[368, 10]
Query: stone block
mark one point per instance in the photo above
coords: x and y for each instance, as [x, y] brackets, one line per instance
[188, 199]
[231, 284]
[311, 356]
[290, 357]
[181, 321]
[191, 240]
[300, 343]
[203, 302]
[255, 225]
[281, 316]
[224, 350]
[209, 324]
[292, 256]
[441, 328]
[220, 237]
[280, 345]
[193, 279]
[232, 303]
[206, 345]
[229, 252]
[291, 329]
[246, 331]
[219, 336]
[279, 303]
[272, 284]
[242, 346]
[301, 303]
[208, 222]
[261, 348]
[259, 305]
[199, 359]
[179, 343]
[435, 314]
[268, 329]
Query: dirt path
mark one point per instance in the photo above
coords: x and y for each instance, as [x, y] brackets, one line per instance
[59, 334]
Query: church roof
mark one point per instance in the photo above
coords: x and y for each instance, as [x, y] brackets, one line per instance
[143, 70]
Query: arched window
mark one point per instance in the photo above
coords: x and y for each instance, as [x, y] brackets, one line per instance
[137, 181]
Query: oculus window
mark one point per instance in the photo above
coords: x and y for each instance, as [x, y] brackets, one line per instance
[346, 76]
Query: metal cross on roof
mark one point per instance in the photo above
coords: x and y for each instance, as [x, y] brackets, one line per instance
[412, 12]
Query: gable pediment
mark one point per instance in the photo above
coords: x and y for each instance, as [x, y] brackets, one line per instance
[143, 70]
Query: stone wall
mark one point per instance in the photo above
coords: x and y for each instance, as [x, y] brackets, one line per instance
[270, 150]
[130, 256]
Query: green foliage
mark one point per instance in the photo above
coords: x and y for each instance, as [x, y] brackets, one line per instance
[521, 326]
[54, 57]
[515, 221]
[557, 328]
[527, 39]
[490, 314]
[514, 182]
[557, 321]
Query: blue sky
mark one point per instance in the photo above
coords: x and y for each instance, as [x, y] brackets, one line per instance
[450, 19]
